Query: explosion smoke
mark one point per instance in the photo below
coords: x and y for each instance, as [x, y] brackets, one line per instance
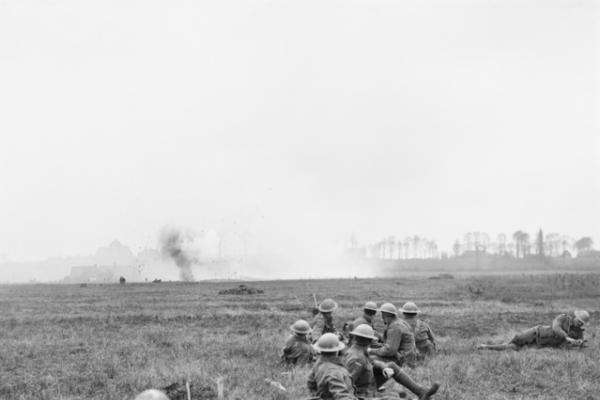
[178, 246]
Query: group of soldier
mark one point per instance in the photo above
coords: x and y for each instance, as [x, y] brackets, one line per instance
[358, 362]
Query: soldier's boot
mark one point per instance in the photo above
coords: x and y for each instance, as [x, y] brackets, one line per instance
[407, 382]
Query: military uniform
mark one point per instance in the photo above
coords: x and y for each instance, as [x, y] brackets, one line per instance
[360, 367]
[363, 319]
[399, 343]
[321, 325]
[424, 339]
[550, 336]
[298, 350]
[329, 380]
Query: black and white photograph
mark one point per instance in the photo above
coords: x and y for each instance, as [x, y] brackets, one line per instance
[299, 200]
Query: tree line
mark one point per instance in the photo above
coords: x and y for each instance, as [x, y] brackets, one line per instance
[519, 245]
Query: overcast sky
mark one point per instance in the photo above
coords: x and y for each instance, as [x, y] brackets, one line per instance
[297, 120]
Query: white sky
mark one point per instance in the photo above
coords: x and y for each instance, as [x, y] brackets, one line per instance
[302, 121]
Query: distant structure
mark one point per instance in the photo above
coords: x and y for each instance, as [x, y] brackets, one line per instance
[103, 274]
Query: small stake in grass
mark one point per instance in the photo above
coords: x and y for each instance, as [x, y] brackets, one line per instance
[220, 388]
[187, 389]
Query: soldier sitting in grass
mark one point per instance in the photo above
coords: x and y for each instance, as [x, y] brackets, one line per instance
[369, 374]
[323, 320]
[399, 340]
[566, 329]
[298, 349]
[424, 339]
[329, 379]
[368, 317]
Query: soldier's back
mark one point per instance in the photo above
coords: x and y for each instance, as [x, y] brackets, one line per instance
[423, 341]
[297, 351]
[328, 374]
[360, 368]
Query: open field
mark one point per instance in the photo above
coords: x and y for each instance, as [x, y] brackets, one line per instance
[111, 341]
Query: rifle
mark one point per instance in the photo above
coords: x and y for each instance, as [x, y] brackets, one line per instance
[315, 309]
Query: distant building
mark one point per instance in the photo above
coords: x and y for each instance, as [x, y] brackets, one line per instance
[114, 253]
[103, 274]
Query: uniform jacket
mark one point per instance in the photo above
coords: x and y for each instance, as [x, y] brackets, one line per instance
[399, 341]
[363, 319]
[563, 326]
[422, 332]
[360, 368]
[297, 350]
[321, 325]
[330, 380]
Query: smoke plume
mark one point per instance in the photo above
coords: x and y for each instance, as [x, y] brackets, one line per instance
[179, 246]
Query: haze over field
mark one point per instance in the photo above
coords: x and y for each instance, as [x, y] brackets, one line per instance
[289, 126]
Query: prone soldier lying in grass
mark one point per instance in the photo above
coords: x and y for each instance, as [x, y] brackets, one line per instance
[566, 330]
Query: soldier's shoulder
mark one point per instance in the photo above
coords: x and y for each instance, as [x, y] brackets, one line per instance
[354, 354]
[290, 340]
[401, 324]
[336, 371]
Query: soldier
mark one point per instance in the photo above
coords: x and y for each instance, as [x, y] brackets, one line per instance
[566, 329]
[329, 379]
[297, 349]
[151, 394]
[424, 339]
[323, 321]
[369, 311]
[399, 341]
[364, 370]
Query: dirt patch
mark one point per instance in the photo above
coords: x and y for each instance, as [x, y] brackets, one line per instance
[242, 290]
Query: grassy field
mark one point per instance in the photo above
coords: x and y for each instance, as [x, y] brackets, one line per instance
[112, 341]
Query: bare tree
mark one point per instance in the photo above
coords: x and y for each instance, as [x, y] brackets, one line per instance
[407, 242]
[526, 245]
[501, 239]
[469, 242]
[584, 244]
[539, 244]
[416, 241]
[518, 238]
[456, 248]
[552, 244]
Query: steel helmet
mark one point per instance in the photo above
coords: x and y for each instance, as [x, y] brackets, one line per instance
[301, 326]
[410, 308]
[327, 305]
[151, 394]
[364, 330]
[388, 308]
[328, 343]
[370, 305]
[582, 315]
